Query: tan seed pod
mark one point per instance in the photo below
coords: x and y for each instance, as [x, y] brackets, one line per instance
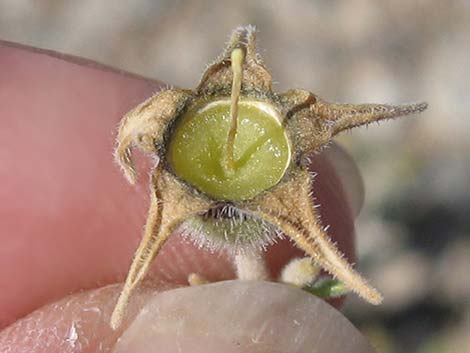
[239, 77]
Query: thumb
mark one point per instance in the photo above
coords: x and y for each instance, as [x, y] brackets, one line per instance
[230, 316]
[236, 316]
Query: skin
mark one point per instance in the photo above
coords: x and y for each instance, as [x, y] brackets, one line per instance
[68, 219]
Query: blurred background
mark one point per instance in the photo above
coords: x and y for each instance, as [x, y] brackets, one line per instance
[413, 231]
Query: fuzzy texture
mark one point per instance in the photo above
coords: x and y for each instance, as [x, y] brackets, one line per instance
[251, 267]
[231, 230]
[310, 124]
[145, 126]
[299, 272]
[306, 231]
[170, 205]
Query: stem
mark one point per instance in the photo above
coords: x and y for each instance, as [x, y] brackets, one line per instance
[327, 288]
[237, 58]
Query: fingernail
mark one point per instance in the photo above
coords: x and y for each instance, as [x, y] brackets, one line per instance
[78, 323]
[240, 316]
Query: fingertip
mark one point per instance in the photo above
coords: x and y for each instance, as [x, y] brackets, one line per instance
[249, 317]
[349, 176]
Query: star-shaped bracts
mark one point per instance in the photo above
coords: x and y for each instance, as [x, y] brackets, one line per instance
[238, 80]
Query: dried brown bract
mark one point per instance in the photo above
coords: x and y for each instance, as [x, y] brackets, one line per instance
[284, 208]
